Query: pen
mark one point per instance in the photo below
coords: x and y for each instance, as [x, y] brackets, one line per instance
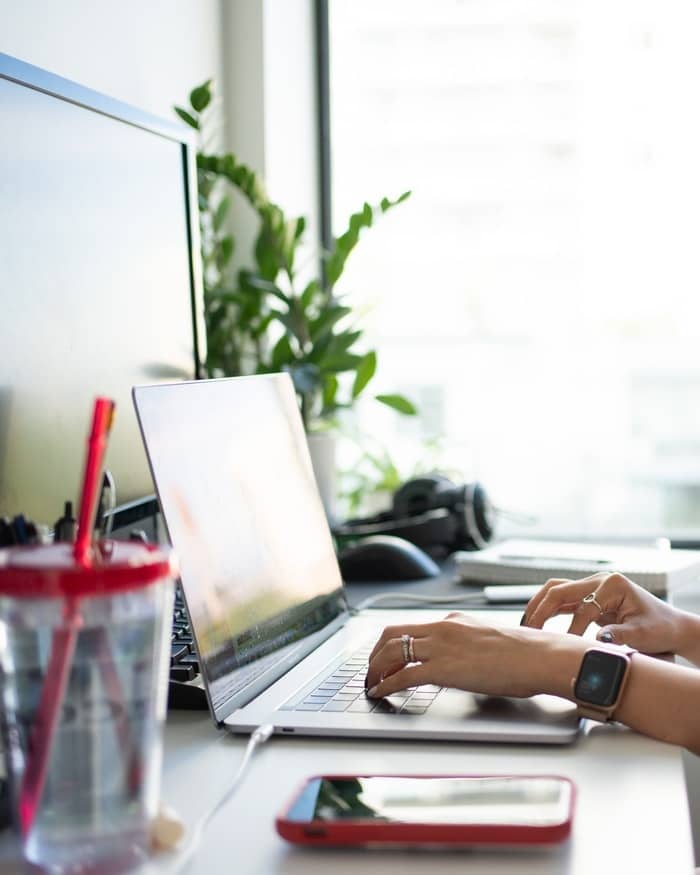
[582, 560]
[102, 417]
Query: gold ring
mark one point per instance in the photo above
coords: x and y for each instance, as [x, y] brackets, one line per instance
[590, 599]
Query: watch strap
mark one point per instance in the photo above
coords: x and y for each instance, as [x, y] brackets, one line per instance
[602, 715]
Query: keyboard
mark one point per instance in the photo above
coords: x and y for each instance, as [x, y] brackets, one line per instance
[185, 689]
[184, 665]
[343, 689]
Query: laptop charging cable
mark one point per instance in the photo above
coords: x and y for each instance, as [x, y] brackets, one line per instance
[166, 832]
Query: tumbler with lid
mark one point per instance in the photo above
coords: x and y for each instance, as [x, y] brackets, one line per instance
[84, 648]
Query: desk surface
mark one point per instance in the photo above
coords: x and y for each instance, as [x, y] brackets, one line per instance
[632, 812]
[632, 809]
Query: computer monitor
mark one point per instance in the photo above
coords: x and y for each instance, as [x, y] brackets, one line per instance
[100, 284]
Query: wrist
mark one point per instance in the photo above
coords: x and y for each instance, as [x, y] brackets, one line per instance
[555, 660]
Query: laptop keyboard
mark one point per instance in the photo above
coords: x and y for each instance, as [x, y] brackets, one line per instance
[184, 665]
[344, 690]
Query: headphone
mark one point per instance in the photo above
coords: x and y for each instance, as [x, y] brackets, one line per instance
[434, 513]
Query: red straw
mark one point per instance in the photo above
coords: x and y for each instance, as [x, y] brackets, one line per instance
[64, 639]
[52, 693]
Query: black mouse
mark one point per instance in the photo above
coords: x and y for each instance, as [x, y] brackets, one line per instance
[385, 557]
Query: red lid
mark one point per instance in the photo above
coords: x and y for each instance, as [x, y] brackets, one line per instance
[51, 571]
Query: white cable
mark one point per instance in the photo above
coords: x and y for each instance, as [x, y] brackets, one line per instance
[260, 736]
[469, 599]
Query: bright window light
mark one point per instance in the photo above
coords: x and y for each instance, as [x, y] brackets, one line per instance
[538, 296]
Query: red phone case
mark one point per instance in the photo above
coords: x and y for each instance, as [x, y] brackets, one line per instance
[348, 833]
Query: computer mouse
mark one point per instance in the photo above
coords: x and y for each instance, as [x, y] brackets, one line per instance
[385, 557]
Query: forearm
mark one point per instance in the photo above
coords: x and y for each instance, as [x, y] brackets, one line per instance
[661, 699]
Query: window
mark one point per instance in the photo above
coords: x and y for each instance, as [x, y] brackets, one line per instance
[538, 295]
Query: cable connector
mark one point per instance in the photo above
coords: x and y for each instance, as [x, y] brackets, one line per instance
[262, 733]
[259, 736]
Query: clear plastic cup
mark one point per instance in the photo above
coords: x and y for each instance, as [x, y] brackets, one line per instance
[84, 651]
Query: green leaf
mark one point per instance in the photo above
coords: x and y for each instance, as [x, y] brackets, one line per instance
[365, 372]
[253, 282]
[343, 341]
[343, 245]
[281, 354]
[186, 117]
[327, 319]
[387, 204]
[290, 235]
[200, 97]
[398, 403]
[221, 212]
[330, 391]
[339, 363]
[300, 228]
[309, 293]
[266, 256]
[224, 252]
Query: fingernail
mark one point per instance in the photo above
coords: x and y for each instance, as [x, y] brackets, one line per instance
[372, 693]
[523, 619]
[606, 637]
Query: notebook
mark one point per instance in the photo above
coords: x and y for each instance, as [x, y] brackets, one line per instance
[530, 561]
[274, 635]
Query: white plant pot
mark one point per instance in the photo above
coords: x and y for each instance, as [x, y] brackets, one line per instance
[322, 447]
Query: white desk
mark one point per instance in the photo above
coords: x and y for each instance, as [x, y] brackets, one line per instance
[632, 813]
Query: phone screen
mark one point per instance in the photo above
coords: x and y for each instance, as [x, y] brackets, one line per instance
[516, 801]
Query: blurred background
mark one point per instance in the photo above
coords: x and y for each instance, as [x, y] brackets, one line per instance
[537, 296]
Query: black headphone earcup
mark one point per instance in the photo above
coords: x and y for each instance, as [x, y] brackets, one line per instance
[419, 495]
[478, 517]
[434, 513]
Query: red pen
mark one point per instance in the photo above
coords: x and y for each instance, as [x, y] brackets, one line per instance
[102, 417]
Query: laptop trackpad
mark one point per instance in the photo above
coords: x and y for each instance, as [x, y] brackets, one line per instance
[545, 710]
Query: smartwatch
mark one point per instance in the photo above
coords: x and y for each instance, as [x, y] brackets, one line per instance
[601, 681]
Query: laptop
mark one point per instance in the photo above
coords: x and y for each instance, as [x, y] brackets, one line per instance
[276, 640]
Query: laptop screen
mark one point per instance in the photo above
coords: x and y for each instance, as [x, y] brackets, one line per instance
[259, 574]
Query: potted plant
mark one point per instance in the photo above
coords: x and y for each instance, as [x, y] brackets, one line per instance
[273, 316]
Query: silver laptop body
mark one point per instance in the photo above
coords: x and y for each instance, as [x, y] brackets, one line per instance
[261, 582]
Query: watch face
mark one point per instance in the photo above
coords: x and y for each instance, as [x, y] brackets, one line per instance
[600, 678]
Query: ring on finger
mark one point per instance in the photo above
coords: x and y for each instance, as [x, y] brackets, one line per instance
[590, 599]
[411, 651]
[406, 647]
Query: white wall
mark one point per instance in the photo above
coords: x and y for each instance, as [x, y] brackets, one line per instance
[270, 106]
[148, 53]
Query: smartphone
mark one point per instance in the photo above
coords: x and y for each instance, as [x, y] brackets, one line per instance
[430, 810]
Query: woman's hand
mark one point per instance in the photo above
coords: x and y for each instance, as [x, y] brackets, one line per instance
[626, 614]
[462, 652]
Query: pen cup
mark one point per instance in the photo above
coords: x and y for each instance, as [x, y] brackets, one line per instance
[84, 649]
